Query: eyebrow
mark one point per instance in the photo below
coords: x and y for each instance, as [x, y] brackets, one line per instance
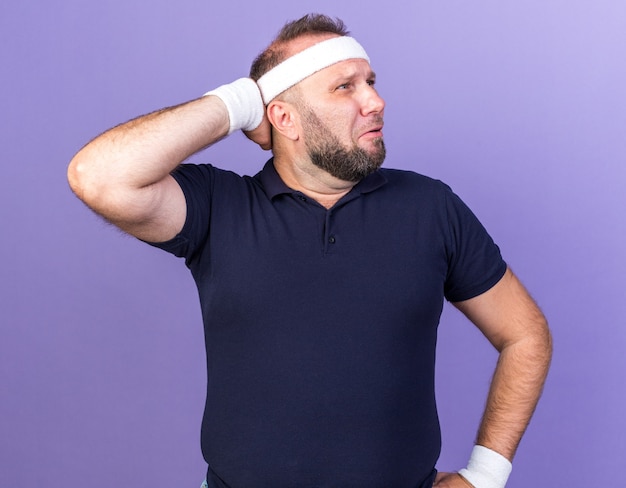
[354, 74]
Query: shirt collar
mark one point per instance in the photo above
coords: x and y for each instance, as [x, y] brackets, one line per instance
[271, 181]
[273, 185]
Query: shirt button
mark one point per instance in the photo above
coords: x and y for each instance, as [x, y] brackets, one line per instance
[302, 197]
[331, 239]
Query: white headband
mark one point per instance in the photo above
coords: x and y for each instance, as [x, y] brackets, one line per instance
[305, 63]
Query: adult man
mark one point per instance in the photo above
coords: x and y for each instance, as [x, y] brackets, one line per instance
[322, 278]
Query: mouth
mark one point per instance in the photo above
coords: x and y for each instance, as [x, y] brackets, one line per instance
[375, 131]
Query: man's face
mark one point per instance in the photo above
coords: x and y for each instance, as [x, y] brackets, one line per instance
[342, 120]
[327, 152]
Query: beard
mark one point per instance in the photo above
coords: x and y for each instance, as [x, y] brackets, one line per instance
[329, 154]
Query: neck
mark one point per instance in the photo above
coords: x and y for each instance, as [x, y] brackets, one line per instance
[303, 176]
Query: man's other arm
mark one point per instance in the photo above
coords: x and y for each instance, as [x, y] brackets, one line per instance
[513, 323]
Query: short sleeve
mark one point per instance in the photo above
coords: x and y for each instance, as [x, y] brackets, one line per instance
[474, 260]
[196, 182]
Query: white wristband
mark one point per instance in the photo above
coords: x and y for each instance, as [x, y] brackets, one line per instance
[487, 469]
[243, 102]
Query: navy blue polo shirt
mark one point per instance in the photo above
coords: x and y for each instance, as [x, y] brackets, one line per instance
[321, 324]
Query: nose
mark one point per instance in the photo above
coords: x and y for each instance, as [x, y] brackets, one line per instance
[372, 102]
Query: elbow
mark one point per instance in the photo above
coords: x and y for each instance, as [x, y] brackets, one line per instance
[86, 182]
[544, 339]
[75, 172]
[539, 336]
[98, 184]
[539, 347]
[88, 176]
[548, 345]
[534, 346]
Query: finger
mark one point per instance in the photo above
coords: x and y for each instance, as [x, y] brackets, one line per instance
[262, 135]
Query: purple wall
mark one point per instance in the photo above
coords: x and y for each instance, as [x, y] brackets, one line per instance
[519, 106]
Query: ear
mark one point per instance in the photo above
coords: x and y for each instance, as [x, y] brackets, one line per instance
[283, 117]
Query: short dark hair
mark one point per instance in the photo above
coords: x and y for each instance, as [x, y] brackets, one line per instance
[310, 24]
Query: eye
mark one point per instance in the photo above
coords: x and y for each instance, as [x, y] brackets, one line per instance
[344, 86]
[371, 82]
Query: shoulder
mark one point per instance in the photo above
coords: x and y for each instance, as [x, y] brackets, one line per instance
[209, 179]
[409, 184]
[409, 178]
[203, 171]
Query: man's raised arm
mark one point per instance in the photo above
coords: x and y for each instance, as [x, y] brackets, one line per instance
[124, 174]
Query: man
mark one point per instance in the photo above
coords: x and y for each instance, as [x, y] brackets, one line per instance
[322, 278]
